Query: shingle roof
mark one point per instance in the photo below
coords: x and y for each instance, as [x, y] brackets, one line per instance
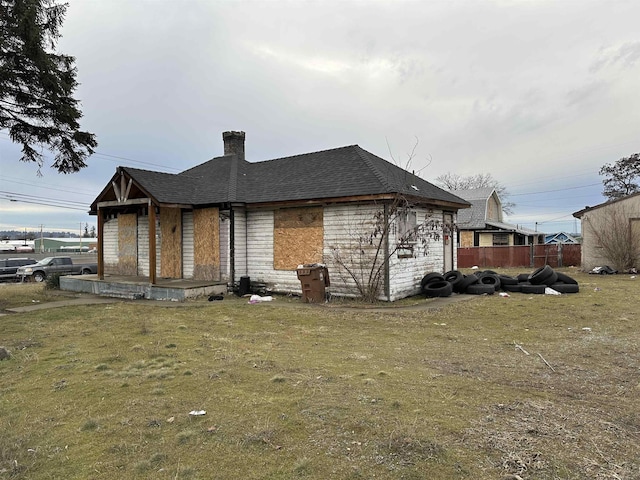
[512, 228]
[475, 217]
[340, 172]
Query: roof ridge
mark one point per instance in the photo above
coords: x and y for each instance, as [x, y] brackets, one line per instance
[145, 170]
[376, 172]
[303, 154]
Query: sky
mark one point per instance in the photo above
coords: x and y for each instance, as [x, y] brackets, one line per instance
[539, 94]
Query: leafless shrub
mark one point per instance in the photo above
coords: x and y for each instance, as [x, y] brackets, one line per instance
[374, 240]
[617, 234]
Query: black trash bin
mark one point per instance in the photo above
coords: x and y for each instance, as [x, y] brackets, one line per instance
[314, 278]
[245, 286]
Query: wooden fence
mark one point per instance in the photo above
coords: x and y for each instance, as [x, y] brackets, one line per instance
[554, 255]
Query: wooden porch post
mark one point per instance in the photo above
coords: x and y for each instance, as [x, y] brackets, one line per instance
[152, 243]
[100, 244]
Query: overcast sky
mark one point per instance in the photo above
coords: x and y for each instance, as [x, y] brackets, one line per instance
[540, 94]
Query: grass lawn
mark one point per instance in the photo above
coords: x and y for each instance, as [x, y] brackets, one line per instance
[529, 386]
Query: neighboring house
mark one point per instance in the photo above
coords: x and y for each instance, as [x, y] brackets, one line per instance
[560, 237]
[611, 234]
[228, 218]
[482, 225]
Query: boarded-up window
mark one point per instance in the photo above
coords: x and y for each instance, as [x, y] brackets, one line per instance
[171, 239]
[206, 244]
[128, 244]
[297, 237]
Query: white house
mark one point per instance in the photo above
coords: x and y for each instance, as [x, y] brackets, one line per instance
[229, 218]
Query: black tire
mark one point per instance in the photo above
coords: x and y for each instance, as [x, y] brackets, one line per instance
[540, 276]
[39, 277]
[523, 278]
[431, 277]
[512, 288]
[86, 271]
[466, 282]
[566, 287]
[535, 289]
[454, 277]
[566, 279]
[490, 279]
[441, 288]
[507, 280]
[489, 272]
[551, 279]
[480, 289]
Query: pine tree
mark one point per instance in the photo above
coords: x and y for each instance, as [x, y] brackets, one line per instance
[37, 85]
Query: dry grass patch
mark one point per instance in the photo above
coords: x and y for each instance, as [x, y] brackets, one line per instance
[298, 391]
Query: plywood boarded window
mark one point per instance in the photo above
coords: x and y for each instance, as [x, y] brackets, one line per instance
[171, 240]
[128, 244]
[297, 237]
[206, 244]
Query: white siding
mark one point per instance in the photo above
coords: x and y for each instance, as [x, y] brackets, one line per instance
[187, 244]
[348, 235]
[240, 240]
[110, 245]
[260, 254]
[224, 246]
[344, 226]
[428, 256]
[143, 245]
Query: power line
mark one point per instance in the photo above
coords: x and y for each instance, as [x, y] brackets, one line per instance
[47, 204]
[557, 190]
[36, 197]
[136, 161]
[17, 181]
[113, 158]
[50, 202]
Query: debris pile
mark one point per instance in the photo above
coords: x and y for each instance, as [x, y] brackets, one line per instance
[540, 281]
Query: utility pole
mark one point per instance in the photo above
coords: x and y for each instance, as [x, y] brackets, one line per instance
[80, 236]
[41, 239]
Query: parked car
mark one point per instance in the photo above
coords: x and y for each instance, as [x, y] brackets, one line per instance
[39, 271]
[9, 267]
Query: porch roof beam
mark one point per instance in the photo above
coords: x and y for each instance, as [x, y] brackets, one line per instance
[140, 201]
[116, 203]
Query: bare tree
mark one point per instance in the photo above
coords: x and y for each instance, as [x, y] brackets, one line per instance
[617, 234]
[388, 228]
[453, 181]
[372, 241]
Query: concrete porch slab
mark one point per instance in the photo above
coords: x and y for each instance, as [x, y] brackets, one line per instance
[170, 289]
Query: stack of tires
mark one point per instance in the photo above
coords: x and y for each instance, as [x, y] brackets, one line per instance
[488, 282]
[540, 279]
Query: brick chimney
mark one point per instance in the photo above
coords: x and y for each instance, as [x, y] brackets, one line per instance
[234, 143]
